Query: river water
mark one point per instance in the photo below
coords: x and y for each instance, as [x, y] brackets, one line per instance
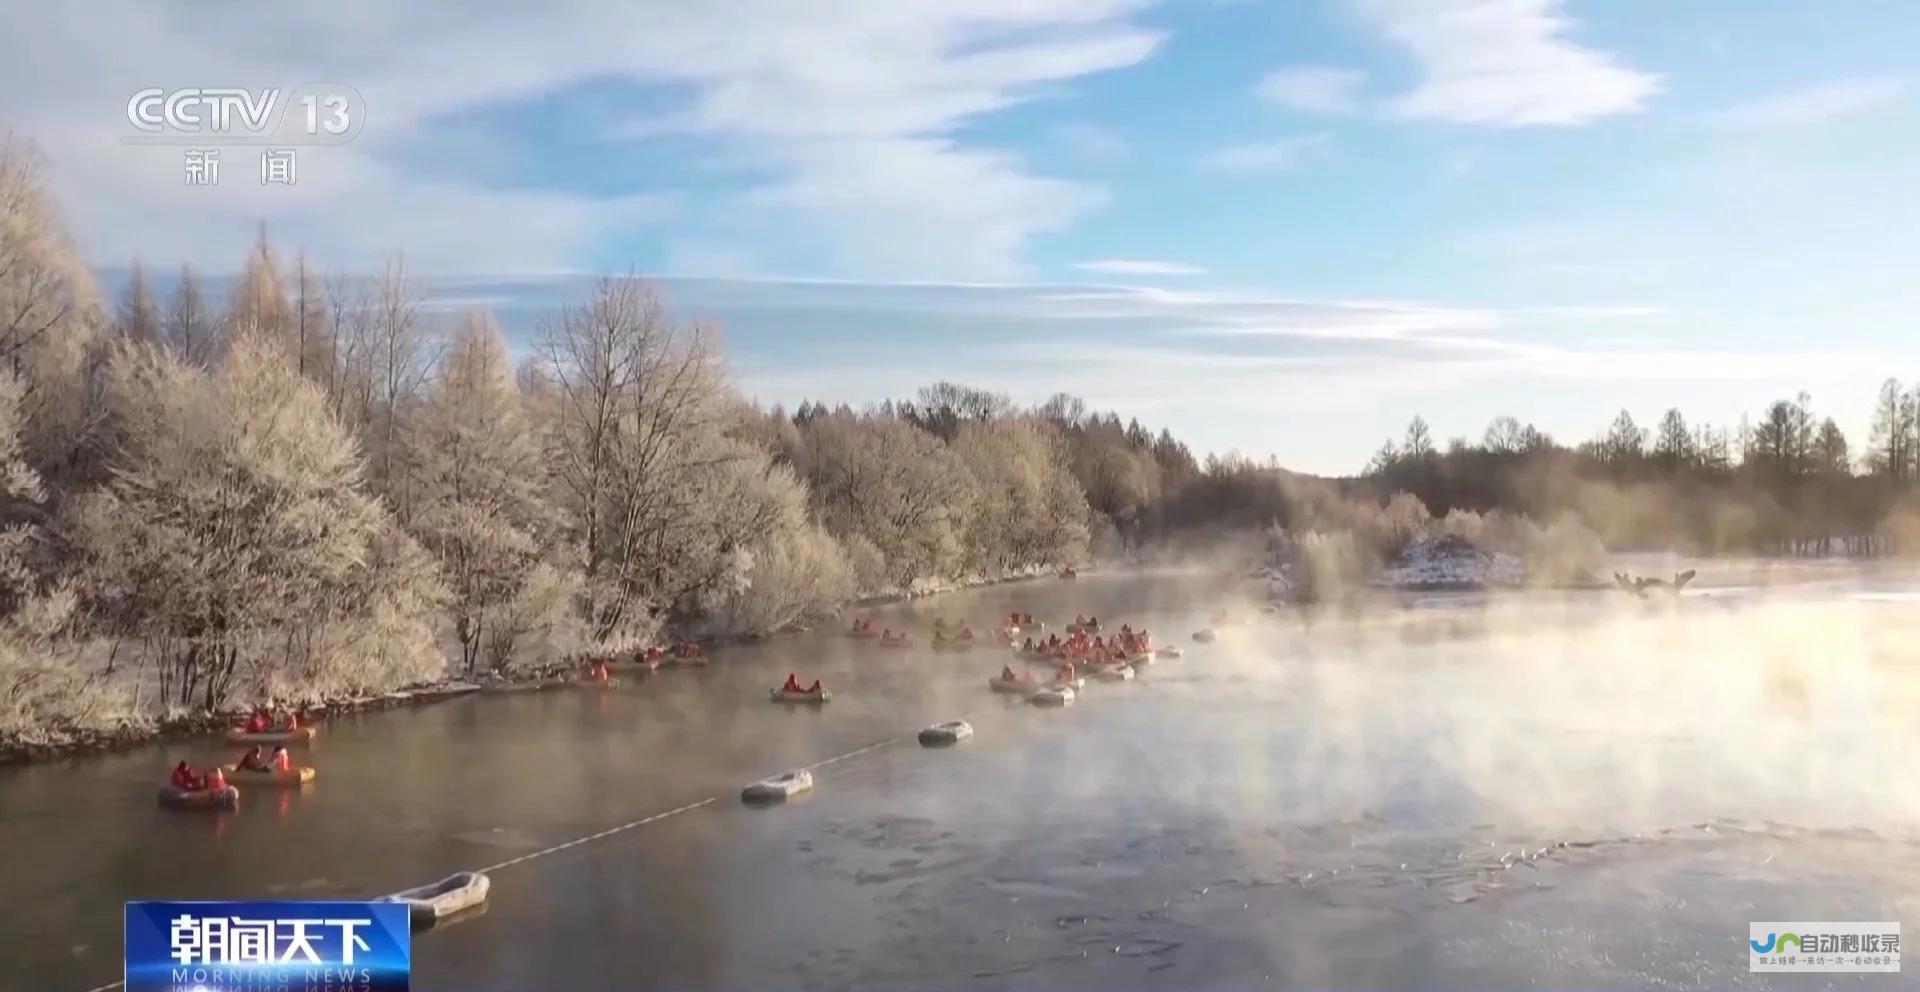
[1445, 791]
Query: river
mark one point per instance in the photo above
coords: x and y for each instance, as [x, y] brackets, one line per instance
[1555, 789]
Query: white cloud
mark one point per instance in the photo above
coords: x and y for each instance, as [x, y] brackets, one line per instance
[1504, 62]
[1140, 267]
[800, 90]
[908, 207]
[1314, 88]
[1276, 155]
[1093, 143]
[1816, 103]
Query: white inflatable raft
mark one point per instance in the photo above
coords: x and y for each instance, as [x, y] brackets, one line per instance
[429, 904]
[1117, 673]
[1169, 653]
[1204, 636]
[778, 788]
[1051, 695]
[1012, 686]
[941, 734]
[783, 696]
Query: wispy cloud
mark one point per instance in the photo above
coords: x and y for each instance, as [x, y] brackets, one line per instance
[1275, 155]
[1816, 103]
[854, 110]
[1505, 62]
[1316, 89]
[1140, 267]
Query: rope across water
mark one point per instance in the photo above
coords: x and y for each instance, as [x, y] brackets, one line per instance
[622, 828]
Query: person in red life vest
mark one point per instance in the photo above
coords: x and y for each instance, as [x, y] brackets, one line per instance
[215, 780]
[286, 721]
[793, 684]
[282, 761]
[600, 670]
[1006, 674]
[259, 722]
[256, 759]
[815, 687]
[184, 778]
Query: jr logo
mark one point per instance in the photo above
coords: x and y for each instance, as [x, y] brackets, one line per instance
[1767, 948]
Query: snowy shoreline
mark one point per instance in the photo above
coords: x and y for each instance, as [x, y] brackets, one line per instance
[548, 676]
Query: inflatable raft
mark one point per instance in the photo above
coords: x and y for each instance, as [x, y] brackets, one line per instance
[941, 734]
[241, 735]
[429, 904]
[300, 775]
[1021, 686]
[1115, 673]
[685, 661]
[1205, 636]
[863, 634]
[592, 683]
[1051, 695]
[1077, 682]
[783, 696]
[778, 788]
[896, 642]
[955, 643]
[226, 798]
[1166, 653]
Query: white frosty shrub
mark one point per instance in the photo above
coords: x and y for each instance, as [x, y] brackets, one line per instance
[791, 575]
[234, 538]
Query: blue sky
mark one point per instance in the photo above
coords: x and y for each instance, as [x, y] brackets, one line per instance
[1274, 227]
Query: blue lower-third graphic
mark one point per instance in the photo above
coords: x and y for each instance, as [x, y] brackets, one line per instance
[260, 946]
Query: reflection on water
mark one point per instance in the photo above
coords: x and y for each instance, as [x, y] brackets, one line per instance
[1577, 790]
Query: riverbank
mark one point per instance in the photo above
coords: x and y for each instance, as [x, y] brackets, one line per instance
[545, 676]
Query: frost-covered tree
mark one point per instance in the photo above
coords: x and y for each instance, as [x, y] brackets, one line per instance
[235, 540]
[46, 691]
[260, 304]
[896, 485]
[634, 415]
[193, 333]
[1029, 509]
[138, 316]
[49, 316]
[480, 494]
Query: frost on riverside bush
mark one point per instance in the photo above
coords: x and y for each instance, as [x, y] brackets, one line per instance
[785, 576]
[900, 487]
[235, 541]
[1028, 509]
[47, 691]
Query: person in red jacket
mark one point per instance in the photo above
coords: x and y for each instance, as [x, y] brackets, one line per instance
[282, 761]
[259, 722]
[215, 780]
[793, 684]
[256, 759]
[183, 777]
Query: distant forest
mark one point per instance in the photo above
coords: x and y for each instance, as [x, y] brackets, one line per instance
[1788, 483]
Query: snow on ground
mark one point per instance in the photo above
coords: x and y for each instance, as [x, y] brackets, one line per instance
[1449, 562]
